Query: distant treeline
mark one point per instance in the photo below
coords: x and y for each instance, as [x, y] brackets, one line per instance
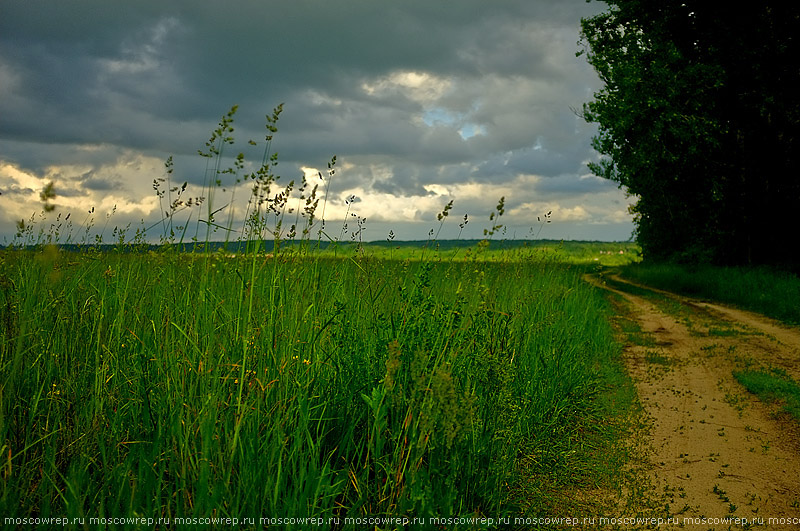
[268, 246]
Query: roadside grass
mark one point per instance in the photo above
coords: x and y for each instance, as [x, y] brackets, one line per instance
[772, 386]
[770, 292]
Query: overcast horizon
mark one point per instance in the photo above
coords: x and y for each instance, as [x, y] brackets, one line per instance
[422, 103]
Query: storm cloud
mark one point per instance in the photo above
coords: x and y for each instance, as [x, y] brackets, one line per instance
[421, 101]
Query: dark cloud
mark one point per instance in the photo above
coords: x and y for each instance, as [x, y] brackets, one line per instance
[15, 193]
[568, 185]
[186, 59]
[360, 79]
[97, 182]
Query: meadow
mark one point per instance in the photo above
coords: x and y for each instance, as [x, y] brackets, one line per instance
[175, 384]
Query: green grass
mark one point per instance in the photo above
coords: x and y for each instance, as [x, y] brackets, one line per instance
[773, 293]
[772, 386]
[656, 358]
[173, 384]
[608, 254]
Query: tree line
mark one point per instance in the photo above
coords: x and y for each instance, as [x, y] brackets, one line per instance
[699, 120]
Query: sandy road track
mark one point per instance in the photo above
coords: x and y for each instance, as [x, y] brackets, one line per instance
[715, 450]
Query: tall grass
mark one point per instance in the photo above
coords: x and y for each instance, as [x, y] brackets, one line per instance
[288, 384]
[176, 385]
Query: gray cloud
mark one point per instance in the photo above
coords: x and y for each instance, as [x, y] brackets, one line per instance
[154, 78]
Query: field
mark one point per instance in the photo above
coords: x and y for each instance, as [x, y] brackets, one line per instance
[299, 384]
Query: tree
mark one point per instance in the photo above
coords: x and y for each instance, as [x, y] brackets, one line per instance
[699, 118]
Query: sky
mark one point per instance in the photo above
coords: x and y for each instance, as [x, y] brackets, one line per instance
[423, 102]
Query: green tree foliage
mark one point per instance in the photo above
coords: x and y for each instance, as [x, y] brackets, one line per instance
[699, 119]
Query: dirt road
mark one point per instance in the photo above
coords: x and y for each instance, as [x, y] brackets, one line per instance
[714, 450]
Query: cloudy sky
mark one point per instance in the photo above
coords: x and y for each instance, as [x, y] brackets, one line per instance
[422, 102]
